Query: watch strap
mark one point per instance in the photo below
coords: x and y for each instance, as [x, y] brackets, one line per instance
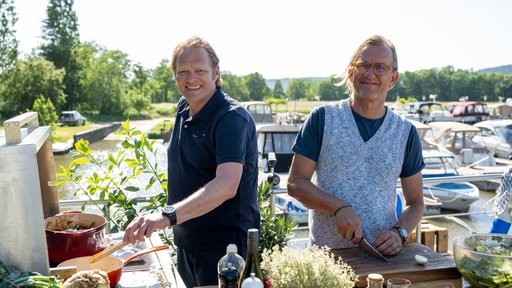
[401, 234]
[171, 216]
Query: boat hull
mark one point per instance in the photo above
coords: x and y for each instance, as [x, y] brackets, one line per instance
[453, 195]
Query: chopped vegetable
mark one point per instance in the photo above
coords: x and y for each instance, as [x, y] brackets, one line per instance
[421, 259]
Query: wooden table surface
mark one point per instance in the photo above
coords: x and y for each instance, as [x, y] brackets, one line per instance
[403, 265]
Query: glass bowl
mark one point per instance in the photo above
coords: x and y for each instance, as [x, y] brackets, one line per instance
[484, 260]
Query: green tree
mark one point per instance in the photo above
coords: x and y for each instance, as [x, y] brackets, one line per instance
[46, 112]
[257, 86]
[86, 55]
[162, 87]
[329, 90]
[60, 35]
[140, 77]
[28, 81]
[278, 91]
[106, 82]
[297, 89]
[8, 42]
[235, 87]
[138, 103]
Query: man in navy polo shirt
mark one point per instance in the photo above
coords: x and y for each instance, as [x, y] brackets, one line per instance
[213, 170]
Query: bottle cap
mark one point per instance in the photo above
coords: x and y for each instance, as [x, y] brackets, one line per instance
[252, 282]
[232, 248]
[254, 234]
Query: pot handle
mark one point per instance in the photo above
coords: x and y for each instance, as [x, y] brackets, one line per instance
[144, 251]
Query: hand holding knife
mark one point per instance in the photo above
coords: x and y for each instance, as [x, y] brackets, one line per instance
[370, 250]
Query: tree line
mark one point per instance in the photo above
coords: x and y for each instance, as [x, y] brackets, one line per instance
[64, 73]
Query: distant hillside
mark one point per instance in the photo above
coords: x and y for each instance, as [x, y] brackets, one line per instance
[505, 69]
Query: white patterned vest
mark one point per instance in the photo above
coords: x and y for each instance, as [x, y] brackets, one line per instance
[363, 174]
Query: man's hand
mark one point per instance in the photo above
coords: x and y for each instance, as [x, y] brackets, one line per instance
[388, 242]
[349, 225]
[144, 226]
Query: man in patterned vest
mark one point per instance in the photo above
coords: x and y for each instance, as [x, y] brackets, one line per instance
[350, 154]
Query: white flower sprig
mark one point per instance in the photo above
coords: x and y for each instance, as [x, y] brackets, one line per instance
[307, 268]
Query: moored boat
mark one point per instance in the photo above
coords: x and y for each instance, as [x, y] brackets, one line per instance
[453, 195]
[473, 157]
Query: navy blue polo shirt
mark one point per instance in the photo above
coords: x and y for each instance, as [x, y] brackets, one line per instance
[223, 131]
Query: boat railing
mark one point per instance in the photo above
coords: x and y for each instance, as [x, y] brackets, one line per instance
[430, 180]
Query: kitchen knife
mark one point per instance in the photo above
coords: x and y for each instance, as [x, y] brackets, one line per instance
[368, 249]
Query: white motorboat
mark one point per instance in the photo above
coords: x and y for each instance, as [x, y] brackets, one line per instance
[473, 157]
[457, 195]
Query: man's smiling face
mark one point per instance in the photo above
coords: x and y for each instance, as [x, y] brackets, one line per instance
[369, 85]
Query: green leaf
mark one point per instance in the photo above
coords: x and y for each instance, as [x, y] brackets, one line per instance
[80, 161]
[132, 189]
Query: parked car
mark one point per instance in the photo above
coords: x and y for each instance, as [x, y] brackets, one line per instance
[496, 135]
[72, 118]
[469, 112]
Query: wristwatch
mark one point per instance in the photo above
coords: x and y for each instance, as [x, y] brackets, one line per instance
[170, 213]
[402, 232]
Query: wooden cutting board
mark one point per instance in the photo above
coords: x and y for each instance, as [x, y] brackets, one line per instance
[403, 265]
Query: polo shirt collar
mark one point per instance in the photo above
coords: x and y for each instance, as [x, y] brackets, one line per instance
[209, 108]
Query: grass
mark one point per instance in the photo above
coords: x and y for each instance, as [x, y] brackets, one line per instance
[64, 133]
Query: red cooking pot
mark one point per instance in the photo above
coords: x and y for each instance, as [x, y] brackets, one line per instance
[74, 234]
[111, 265]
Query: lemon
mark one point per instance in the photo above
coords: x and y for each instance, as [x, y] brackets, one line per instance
[421, 259]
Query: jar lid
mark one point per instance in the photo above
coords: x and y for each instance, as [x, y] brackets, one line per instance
[375, 276]
[232, 248]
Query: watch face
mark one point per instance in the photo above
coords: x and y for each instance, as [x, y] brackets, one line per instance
[403, 232]
[169, 209]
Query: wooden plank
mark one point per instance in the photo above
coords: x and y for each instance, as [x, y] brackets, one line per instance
[436, 238]
[403, 265]
[442, 241]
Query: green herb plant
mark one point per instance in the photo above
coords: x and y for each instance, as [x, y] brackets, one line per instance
[116, 179]
[274, 230]
[306, 268]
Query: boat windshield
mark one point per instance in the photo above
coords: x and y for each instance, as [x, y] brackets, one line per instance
[505, 133]
[442, 165]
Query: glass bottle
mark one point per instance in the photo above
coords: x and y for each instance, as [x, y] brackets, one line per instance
[374, 281]
[252, 263]
[252, 282]
[228, 277]
[229, 266]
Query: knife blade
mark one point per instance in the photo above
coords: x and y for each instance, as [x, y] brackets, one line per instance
[368, 249]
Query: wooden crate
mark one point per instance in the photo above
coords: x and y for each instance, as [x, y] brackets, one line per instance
[436, 238]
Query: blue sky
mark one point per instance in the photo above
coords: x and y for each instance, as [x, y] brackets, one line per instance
[291, 38]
